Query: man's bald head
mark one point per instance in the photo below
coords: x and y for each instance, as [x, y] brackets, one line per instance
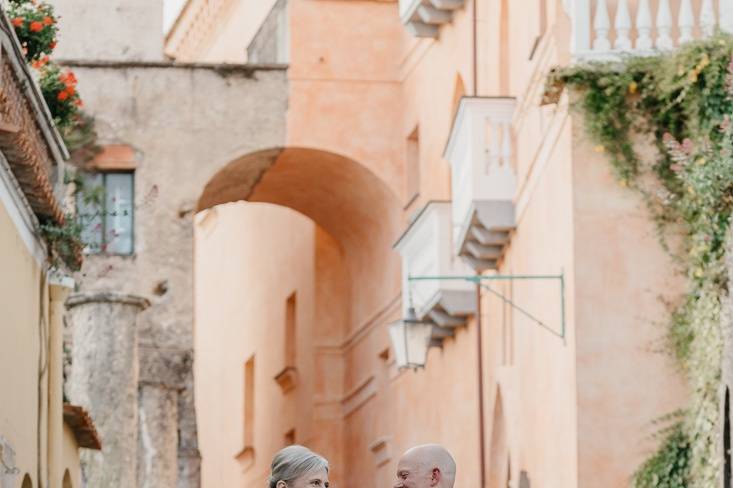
[426, 466]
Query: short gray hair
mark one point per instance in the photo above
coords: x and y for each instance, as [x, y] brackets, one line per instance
[293, 462]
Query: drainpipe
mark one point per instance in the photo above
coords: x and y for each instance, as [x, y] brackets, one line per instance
[475, 48]
[59, 292]
[481, 421]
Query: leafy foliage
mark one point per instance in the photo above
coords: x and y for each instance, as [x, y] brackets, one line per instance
[669, 466]
[679, 103]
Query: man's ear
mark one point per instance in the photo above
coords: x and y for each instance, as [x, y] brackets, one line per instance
[281, 484]
[435, 477]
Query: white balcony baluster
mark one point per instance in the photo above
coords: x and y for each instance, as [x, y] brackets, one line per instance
[602, 26]
[686, 21]
[581, 35]
[623, 26]
[707, 17]
[644, 26]
[506, 143]
[725, 10]
[664, 26]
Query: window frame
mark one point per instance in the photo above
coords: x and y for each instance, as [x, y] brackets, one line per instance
[104, 245]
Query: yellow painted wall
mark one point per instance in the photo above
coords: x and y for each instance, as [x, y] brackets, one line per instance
[26, 362]
[20, 301]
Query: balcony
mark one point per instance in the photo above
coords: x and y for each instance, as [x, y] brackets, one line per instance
[483, 180]
[423, 17]
[606, 29]
[426, 250]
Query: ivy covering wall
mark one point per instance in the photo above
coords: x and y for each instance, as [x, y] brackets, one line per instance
[681, 103]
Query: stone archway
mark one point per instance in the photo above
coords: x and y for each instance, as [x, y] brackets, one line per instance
[343, 197]
[324, 226]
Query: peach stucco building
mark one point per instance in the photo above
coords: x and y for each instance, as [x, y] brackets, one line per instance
[416, 145]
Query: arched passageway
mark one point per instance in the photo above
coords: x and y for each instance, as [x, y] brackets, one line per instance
[293, 260]
[340, 195]
[499, 464]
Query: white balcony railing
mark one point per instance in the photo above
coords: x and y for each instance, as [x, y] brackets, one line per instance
[423, 17]
[603, 29]
[426, 250]
[483, 179]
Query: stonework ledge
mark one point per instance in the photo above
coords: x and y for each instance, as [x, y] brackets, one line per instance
[107, 297]
[83, 427]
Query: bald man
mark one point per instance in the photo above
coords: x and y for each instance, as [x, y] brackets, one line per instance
[428, 466]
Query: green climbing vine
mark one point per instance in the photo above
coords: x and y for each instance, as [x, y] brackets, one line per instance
[680, 103]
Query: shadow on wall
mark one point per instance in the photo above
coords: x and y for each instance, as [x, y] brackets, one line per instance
[344, 198]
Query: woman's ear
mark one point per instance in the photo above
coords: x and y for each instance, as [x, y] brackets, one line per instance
[281, 484]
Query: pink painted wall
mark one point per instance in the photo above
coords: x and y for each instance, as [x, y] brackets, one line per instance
[576, 413]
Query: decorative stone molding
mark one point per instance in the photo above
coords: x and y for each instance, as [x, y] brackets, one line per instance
[358, 396]
[287, 379]
[246, 457]
[381, 451]
[82, 426]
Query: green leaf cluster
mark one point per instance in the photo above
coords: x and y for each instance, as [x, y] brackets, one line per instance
[681, 104]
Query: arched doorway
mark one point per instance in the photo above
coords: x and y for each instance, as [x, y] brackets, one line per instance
[27, 482]
[67, 480]
[292, 257]
[499, 459]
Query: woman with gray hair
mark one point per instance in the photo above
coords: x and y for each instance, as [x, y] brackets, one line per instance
[298, 467]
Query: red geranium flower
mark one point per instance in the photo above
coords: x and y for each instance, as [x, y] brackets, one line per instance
[53, 44]
[47, 21]
[18, 21]
[70, 90]
[62, 96]
[36, 26]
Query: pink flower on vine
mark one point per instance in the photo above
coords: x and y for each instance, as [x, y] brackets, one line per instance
[687, 146]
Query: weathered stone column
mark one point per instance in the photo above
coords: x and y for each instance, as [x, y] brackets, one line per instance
[158, 459]
[104, 380]
[162, 374]
[189, 457]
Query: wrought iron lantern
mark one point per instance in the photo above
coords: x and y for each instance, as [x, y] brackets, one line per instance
[411, 339]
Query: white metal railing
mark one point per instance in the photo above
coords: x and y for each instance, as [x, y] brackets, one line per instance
[605, 28]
